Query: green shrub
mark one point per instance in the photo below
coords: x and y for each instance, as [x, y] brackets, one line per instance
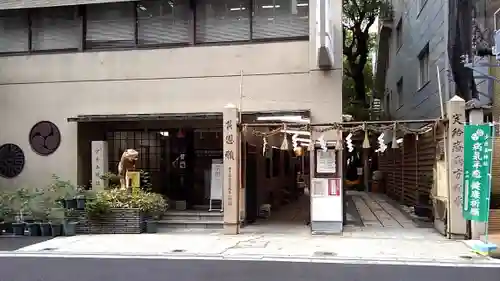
[148, 202]
[62, 189]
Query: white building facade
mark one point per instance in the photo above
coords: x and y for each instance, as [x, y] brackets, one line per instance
[62, 59]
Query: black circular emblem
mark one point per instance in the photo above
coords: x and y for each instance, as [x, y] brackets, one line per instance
[11, 160]
[45, 138]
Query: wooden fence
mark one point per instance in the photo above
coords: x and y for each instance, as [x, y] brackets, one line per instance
[408, 170]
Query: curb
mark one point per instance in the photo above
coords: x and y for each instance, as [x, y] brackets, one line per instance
[482, 262]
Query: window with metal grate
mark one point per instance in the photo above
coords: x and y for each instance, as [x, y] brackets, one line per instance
[14, 29]
[163, 22]
[110, 25]
[56, 28]
[222, 21]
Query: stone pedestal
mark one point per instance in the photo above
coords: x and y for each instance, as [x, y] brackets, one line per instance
[455, 109]
[231, 174]
[99, 160]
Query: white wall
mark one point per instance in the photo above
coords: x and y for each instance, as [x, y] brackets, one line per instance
[53, 87]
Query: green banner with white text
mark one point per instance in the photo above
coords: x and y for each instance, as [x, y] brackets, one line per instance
[478, 149]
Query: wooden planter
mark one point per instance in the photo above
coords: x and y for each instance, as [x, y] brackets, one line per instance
[129, 221]
[494, 221]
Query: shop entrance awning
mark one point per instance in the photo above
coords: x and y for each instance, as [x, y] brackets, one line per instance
[146, 117]
[178, 116]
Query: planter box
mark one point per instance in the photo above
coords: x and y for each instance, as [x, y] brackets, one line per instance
[130, 221]
[118, 221]
[83, 223]
[494, 221]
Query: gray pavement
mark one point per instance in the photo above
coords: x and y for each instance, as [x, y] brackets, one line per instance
[83, 269]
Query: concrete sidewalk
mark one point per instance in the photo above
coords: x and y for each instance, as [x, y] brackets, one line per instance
[264, 246]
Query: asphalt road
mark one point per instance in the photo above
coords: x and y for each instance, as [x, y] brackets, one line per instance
[83, 269]
[12, 243]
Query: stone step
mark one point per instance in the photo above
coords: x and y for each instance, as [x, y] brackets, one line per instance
[165, 224]
[193, 215]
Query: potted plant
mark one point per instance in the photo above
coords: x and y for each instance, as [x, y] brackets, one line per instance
[6, 212]
[56, 220]
[69, 226]
[65, 192]
[21, 208]
[33, 228]
[45, 228]
[70, 197]
[81, 197]
[80, 202]
[154, 207]
[37, 204]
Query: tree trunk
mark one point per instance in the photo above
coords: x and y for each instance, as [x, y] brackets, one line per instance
[359, 88]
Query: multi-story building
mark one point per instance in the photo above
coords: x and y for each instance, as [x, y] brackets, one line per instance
[414, 46]
[429, 52]
[133, 72]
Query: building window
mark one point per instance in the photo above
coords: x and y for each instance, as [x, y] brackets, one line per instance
[423, 59]
[56, 28]
[222, 21]
[15, 31]
[280, 19]
[399, 89]
[151, 23]
[110, 25]
[399, 34]
[388, 104]
[163, 22]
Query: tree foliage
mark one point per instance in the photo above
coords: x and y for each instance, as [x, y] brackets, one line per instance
[351, 105]
[358, 17]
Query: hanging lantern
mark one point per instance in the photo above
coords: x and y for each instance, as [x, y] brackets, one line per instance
[366, 141]
[394, 138]
[298, 151]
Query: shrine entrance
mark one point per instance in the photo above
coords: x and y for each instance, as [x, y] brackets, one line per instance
[386, 170]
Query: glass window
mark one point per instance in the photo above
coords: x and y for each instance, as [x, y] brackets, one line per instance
[423, 59]
[399, 89]
[222, 21]
[14, 30]
[110, 25]
[399, 34]
[163, 21]
[280, 18]
[56, 28]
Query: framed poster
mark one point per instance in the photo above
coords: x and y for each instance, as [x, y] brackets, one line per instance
[325, 162]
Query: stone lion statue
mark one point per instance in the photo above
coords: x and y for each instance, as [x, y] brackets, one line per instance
[127, 163]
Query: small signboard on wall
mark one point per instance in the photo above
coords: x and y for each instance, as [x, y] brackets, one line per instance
[99, 164]
[325, 187]
[325, 162]
[216, 183]
[334, 187]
